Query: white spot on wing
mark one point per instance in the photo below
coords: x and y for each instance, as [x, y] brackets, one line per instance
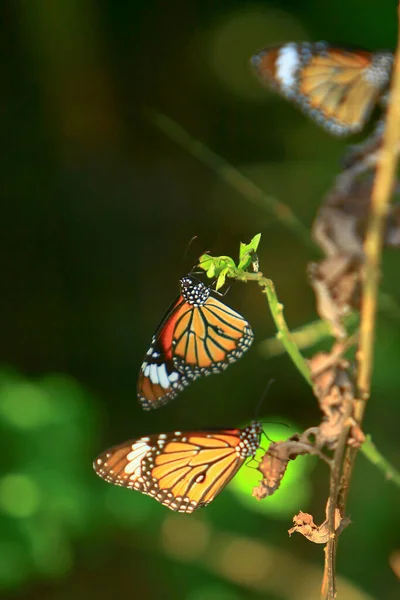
[174, 376]
[135, 458]
[163, 377]
[287, 63]
[146, 370]
[154, 374]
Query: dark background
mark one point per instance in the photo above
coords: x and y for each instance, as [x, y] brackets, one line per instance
[98, 208]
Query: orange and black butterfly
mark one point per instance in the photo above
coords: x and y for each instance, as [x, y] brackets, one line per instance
[183, 471]
[338, 88]
[198, 336]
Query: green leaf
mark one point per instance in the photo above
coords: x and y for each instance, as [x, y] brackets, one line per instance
[247, 252]
[221, 278]
[252, 246]
[206, 262]
[215, 265]
[222, 267]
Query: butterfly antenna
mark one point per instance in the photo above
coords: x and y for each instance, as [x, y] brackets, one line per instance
[273, 423]
[258, 407]
[276, 423]
[188, 247]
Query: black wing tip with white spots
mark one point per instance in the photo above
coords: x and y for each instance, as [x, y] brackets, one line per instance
[181, 505]
[159, 381]
[188, 373]
[148, 404]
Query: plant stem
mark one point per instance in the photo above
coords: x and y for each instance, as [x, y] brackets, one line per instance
[380, 200]
[372, 453]
[328, 590]
[381, 196]
[306, 336]
[276, 309]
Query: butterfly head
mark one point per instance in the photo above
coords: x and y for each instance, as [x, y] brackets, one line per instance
[193, 291]
[251, 438]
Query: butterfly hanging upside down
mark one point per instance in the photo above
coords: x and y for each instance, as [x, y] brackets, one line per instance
[338, 88]
[198, 336]
[183, 471]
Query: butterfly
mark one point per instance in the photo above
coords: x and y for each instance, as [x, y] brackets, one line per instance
[198, 336]
[183, 471]
[336, 87]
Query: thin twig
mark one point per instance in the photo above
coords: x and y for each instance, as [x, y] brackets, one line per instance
[372, 453]
[284, 334]
[380, 200]
[381, 196]
[305, 337]
[239, 182]
[328, 590]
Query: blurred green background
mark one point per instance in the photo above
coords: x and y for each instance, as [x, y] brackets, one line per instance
[98, 208]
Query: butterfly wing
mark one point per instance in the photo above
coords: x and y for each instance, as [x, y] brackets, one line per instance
[182, 471]
[336, 87]
[159, 379]
[199, 335]
[209, 337]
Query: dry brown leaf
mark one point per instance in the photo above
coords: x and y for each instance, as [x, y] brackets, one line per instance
[336, 282]
[275, 461]
[334, 388]
[273, 467]
[339, 229]
[318, 534]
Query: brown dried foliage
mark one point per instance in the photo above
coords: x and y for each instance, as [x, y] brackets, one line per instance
[339, 229]
[319, 534]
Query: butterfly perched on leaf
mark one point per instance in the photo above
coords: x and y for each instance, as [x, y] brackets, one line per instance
[183, 471]
[198, 336]
[336, 87]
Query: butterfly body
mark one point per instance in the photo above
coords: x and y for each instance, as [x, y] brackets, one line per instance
[336, 87]
[183, 471]
[199, 335]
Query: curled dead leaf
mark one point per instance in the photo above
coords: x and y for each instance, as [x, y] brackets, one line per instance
[339, 229]
[336, 282]
[273, 467]
[334, 388]
[318, 534]
[275, 461]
